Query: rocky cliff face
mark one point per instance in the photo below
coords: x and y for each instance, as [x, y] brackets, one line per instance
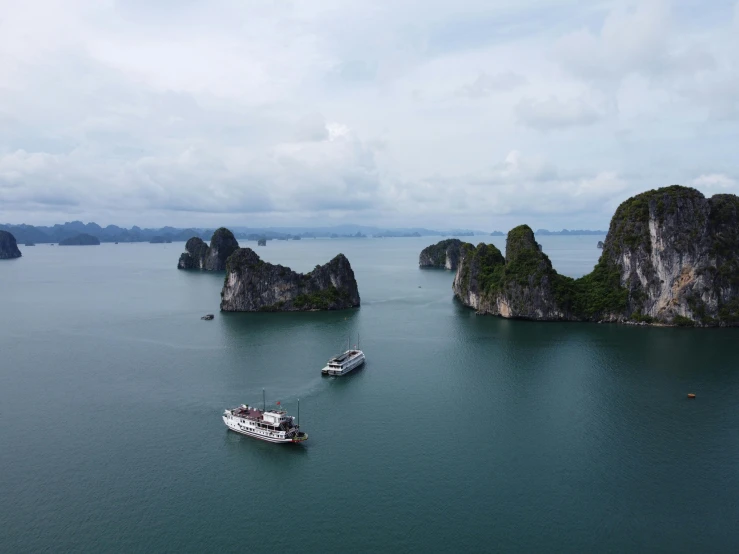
[521, 285]
[8, 246]
[677, 256]
[252, 285]
[198, 255]
[671, 256]
[444, 255]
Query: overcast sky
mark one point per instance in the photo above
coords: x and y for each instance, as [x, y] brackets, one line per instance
[456, 113]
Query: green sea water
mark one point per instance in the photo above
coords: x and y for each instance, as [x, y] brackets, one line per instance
[461, 433]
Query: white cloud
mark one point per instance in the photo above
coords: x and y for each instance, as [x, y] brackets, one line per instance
[520, 189]
[713, 182]
[632, 39]
[338, 172]
[486, 84]
[155, 113]
[553, 113]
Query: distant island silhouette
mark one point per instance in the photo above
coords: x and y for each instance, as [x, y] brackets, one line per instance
[58, 233]
[38, 234]
[569, 232]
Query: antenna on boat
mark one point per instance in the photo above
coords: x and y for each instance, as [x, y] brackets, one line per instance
[264, 402]
[298, 412]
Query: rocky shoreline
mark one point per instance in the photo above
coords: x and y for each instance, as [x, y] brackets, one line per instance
[671, 257]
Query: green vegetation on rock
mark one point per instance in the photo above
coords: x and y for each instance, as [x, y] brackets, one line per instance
[321, 299]
[599, 292]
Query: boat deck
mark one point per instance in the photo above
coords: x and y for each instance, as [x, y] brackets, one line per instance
[344, 357]
[251, 412]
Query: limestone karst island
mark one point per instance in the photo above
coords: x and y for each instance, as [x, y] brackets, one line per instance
[8, 246]
[442, 255]
[252, 285]
[199, 255]
[671, 257]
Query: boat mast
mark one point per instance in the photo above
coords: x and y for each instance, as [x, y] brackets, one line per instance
[298, 412]
[264, 402]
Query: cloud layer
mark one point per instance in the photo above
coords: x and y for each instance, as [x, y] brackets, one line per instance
[393, 113]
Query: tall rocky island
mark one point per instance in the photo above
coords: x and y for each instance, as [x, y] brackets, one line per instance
[199, 255]
[8, 246]
[671, 256]
[252, 285]
[443, 255]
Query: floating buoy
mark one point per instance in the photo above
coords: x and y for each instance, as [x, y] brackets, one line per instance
[691, 395]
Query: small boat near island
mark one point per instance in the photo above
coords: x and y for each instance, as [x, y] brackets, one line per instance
[267, 425]
[344, 363]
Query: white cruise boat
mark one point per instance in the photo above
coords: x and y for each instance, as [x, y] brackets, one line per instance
[344, 363]
[267, 425]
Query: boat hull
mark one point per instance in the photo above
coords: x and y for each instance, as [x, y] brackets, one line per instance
[351, 366]
[263, 437]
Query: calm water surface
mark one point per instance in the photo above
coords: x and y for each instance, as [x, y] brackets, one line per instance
[462, 433]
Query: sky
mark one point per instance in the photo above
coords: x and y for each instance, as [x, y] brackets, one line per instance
[467, 113]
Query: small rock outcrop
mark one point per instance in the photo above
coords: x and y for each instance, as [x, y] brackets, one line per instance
[199, 255]
[443, 255]
[252, 285]
[600, 244]
[83, 239]
[262, 242]
[8, 246]
[671, 257]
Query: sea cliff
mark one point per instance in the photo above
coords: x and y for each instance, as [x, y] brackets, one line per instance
[671, 257]
[199, 255]
[8, 246]
[252, 285]
[443, 255]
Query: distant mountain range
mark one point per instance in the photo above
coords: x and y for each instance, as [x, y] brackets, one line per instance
[112, 233]
[570, 232]
[352, 231]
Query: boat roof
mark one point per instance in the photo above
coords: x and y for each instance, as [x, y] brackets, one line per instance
[248, 411]
[344, 357]
[254, 413]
